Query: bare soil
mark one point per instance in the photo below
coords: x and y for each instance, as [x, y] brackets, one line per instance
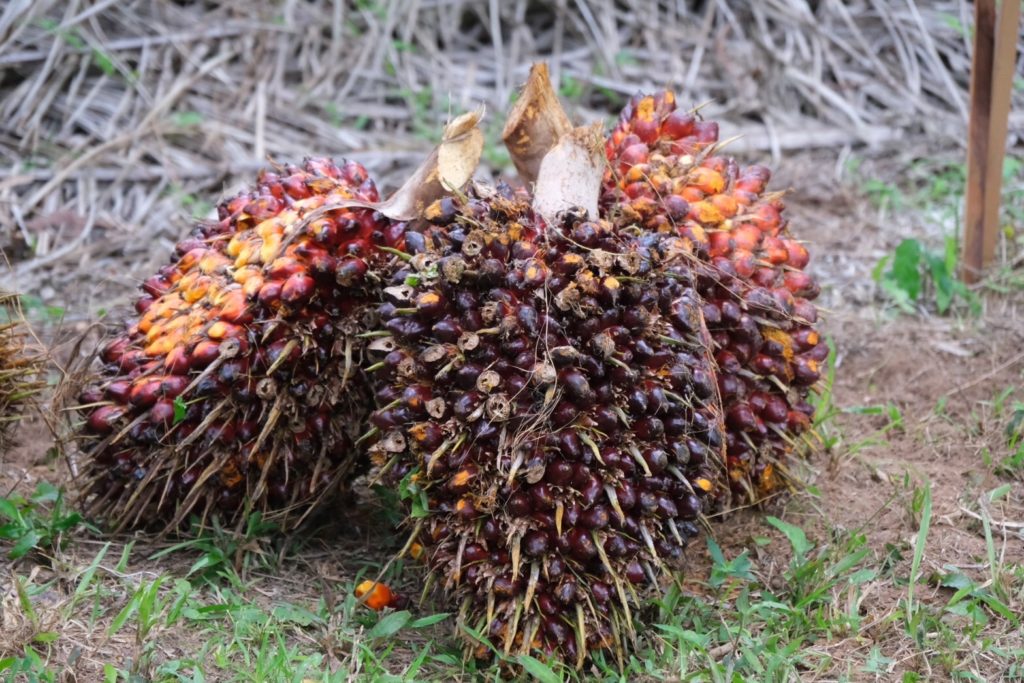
[865, 483]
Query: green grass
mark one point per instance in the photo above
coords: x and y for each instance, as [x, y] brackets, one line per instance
[793, 594]
[914, 275]
[796, 596]
[73, 38]
[1013, 463]
[35, 311]
[795, 614]
[37, 523]
[192, 206]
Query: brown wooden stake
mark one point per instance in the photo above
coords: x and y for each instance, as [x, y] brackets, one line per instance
[991, 82]
[977, 138]
[999, 115]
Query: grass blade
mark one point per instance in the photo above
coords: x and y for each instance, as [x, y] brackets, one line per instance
[922, 538]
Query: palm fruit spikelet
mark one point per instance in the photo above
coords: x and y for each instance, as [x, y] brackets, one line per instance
[549, 414]
[666, 173]
[20, 368]
[238, 388]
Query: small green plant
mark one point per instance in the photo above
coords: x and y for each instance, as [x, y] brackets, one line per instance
[224, 553]
[882, 194]
[186, 119]
[823, 400]
[27, 667]
[1012, 207]
[73, 38]
[1014, 462]
[571, 88]
[933, 190]
[378, 9]
[192, 205]
[36, 310]
[421, 106]
[738, 568]
[495, 153]
[914, 616]
[891, 412]
[877, 663]
[913, 275]
[39, 522]
[409, 490]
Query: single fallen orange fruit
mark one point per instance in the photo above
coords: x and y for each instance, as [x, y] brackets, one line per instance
[378, 596]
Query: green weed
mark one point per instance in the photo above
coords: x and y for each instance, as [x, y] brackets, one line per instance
[225, 554]
[29, 666]
[913, 275]
[36, 310]
[186, 119]
[916, 274]
[1014, 462]
[37, 523]
[194, 207]
[74, 39]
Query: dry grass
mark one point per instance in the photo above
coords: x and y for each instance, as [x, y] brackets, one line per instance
[122, 121]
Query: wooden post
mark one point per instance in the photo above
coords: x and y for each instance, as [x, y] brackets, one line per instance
[995, 47]
[1002, 89]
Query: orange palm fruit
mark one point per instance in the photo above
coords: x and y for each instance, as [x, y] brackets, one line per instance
[374, 595]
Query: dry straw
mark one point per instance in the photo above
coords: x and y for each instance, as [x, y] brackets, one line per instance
[118, 119]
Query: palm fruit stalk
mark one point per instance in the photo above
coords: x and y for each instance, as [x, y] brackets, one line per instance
[20, 368]
[667, 173]
[547, 410]
[238, 388]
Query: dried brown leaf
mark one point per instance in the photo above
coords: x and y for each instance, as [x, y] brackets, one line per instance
[536, 123]
[449, 167]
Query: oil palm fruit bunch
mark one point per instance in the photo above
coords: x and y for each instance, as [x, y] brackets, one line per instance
[547, 409]
[238, 388]
[666, 173]
[20, 368]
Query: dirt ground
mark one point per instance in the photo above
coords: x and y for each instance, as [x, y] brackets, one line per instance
[120, 121]
[942, 374]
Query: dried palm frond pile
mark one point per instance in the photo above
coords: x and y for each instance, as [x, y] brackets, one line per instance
[21, 367]
[125, 119]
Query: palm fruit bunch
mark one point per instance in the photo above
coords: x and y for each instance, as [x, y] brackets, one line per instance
[239, 387]
[20, 368]
[549, 411]
[236, 386]
[566, 378]
[666, 173]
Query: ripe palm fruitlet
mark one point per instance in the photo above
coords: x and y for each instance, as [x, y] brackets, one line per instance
[376, 595]
[20, 368]
[237, 388]
[666, 174]
[548, 410]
